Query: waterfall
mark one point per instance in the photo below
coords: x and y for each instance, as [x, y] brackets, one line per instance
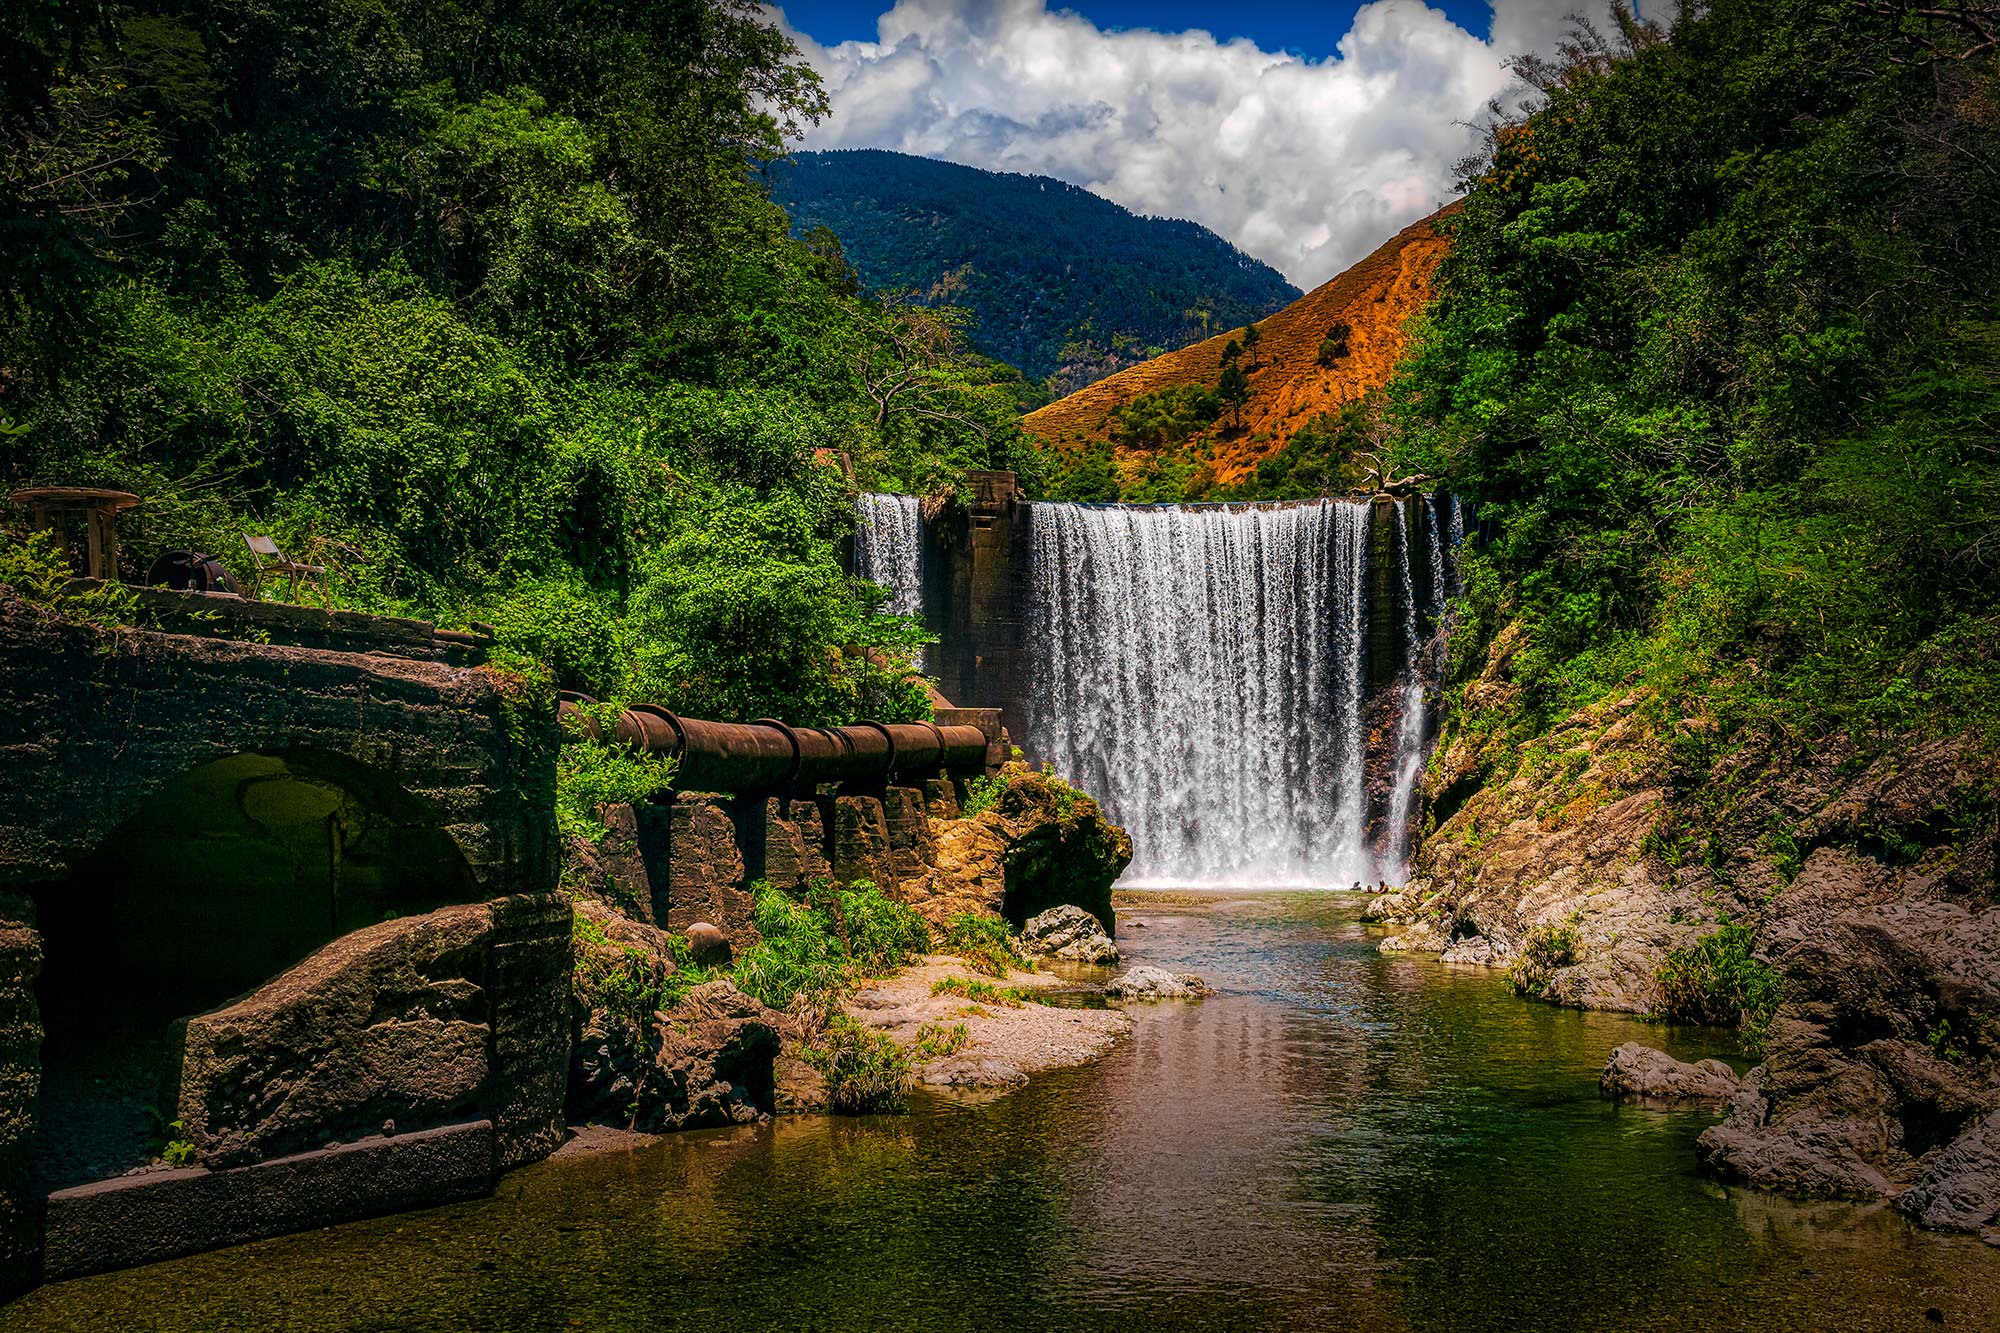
[1410, 720]
[888, 549]
[1203, 672]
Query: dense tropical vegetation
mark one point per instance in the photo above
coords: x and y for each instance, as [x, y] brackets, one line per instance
[1717, 355]
[1059, 282]
[484, 307]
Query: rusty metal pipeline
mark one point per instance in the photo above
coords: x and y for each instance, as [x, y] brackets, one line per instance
[768, 755]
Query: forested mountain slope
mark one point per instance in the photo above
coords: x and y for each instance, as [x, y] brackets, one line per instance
[1064, 284]
[1325, 350]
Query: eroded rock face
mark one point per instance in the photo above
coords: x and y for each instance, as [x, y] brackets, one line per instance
[1871, 894]
[1960, 1188]
[1156, 983]
[1880, 1055]
[388, 1023]
[1071, 933]
[705, 1062]
[1641, 1071]
[1058, 848]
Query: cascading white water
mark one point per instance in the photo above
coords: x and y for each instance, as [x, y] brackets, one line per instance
[1202, 672]
[1410, 719]
[888, 549]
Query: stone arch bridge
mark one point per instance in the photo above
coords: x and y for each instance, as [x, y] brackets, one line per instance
[192, 809]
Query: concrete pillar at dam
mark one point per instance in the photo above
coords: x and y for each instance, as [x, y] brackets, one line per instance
[975, 593]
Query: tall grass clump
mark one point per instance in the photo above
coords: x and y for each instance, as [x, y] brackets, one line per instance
[1716, 980]
[816, 946]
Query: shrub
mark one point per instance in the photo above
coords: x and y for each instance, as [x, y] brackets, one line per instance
[983, 942]
[1545, 951]
[1715, 980]
[591, 773]
[818, 946]
[982, 794]
[866, 1072]
[936, 1040]
[33, 566]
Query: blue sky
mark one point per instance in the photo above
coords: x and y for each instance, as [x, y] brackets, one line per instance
[1310, 28]
[1334, 125]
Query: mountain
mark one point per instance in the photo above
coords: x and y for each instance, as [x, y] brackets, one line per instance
[1067, 286]
[1328, 348]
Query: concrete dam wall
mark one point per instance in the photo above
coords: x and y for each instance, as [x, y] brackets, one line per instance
[1242, 685]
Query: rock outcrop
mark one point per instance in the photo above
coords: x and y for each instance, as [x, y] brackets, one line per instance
[1870, 889]
[1054, 847]
[1640, 1071]
[1069, 933]
[705, 1061]
[1156, 983]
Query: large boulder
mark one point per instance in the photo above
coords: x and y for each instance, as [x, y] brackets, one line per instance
[388, 1023]
[1960, 1189]
[1059, 847]
[1640, 1071]
[1156, 983]
[705, 1062]
[1070, 933]
[1878, 1056]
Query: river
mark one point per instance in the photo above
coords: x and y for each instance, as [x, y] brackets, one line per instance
[1337, 1140]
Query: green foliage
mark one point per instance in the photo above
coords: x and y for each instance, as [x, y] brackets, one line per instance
[866, 1072]
[592, 773]
[1545, 950]
[743, 612]
[33, 566]
[985, 944]
[1060, 282]
[937, 1040]
[485, 311]
[1169, 416]
[818, 946]
[1716, 353]
[982, 794]
[169, 1142]
[1087, 476]
[1716, 980]
[627, 983]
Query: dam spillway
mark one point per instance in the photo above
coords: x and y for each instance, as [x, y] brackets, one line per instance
[1242, 686]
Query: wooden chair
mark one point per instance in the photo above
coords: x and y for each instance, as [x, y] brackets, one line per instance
[267, 561]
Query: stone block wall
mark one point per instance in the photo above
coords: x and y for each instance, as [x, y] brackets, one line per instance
[397, 750]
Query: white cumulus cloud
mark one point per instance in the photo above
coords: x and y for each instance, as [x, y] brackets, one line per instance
[1305, 164]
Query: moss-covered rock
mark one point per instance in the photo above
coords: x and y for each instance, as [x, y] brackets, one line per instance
[1057, 846]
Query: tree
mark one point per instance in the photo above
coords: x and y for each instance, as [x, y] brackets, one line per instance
[1234, 390]
[1251, 337]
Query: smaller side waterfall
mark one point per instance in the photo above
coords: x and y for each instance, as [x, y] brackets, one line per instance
[888, 549]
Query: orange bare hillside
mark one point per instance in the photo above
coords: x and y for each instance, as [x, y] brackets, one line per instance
[1331, 345]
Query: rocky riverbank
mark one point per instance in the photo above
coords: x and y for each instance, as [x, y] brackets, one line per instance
[668, 1035]
[1615, 861]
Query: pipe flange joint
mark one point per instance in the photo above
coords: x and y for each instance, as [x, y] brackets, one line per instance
[792, 739]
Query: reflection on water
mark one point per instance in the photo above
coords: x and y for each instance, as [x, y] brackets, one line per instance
[1338, 1140]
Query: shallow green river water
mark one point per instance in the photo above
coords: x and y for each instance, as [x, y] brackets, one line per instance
[1336, 1141]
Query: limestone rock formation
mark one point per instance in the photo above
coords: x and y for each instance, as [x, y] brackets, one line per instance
[1640, 1071]
[1059, 847]
[1156, 983]
[1071, 933]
